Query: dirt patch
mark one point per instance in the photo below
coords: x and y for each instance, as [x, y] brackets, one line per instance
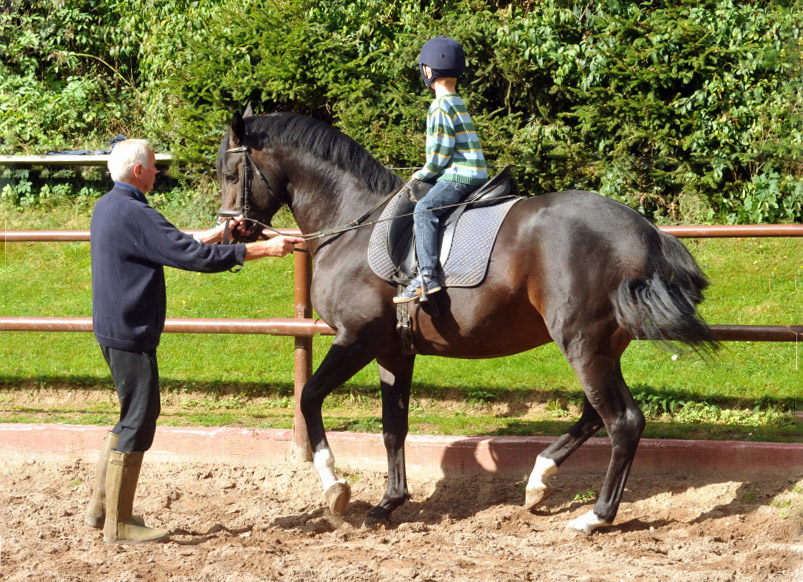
[249, 523]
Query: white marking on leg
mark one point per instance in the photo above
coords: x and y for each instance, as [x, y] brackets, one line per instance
[325, 464]
[587, 523]
[544, 469]
[537, 487]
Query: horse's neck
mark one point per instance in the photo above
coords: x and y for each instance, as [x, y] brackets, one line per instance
[326, 202]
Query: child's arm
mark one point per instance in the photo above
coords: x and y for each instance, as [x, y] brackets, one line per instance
[440, 145]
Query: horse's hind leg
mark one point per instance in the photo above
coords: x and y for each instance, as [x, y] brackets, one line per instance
[609, 395]
[395, 376]
[608, 400]
[548, 461]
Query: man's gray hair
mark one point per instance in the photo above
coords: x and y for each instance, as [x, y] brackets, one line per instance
[125, 155]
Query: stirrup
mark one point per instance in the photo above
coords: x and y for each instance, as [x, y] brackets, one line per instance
[419, 288]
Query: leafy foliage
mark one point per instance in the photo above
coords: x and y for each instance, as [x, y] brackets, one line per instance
[67, 76]
[660, 104]
[686, 110]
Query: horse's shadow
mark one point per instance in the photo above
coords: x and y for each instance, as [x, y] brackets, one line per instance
[468, 489]
[472, 489]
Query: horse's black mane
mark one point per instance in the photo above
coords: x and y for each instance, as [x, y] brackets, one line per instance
[325, 142]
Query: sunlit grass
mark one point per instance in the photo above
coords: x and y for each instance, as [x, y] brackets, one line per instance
[754, 281]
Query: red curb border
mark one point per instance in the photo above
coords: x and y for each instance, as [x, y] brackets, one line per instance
[433, 455]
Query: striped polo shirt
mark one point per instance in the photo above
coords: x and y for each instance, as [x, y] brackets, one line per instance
[453, 149]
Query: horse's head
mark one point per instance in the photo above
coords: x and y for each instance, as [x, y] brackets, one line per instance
[247, 178]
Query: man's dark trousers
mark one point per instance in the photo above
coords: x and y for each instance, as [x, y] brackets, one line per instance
[136, 377]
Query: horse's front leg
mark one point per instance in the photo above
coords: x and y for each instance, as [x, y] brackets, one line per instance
[340, 364]
[395, 376]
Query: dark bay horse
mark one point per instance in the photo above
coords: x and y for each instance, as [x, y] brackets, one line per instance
[572, 267]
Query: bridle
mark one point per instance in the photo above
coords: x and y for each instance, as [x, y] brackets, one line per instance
[245, 197]
[245, 191]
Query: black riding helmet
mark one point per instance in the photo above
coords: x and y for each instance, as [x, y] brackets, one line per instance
[444, 55]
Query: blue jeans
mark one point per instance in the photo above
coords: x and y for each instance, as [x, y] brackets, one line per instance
[443, 193]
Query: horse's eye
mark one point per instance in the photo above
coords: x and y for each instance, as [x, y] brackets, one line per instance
[231, 178]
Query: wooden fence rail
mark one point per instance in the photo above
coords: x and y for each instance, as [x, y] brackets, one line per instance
[303, 327]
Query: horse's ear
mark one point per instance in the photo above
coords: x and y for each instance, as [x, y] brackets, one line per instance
[237, 130]
[248, 111]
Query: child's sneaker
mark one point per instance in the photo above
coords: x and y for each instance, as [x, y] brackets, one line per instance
[422, 285]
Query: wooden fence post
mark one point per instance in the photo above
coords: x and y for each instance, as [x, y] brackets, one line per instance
[303, 355]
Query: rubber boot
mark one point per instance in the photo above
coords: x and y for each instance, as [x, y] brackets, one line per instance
[96, 512]
[122, 475]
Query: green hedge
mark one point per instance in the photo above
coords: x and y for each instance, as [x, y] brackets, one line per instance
[687, 111]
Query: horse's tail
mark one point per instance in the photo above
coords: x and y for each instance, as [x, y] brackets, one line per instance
[663, 305]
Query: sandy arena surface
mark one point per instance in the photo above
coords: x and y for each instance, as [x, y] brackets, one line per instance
[240, 522]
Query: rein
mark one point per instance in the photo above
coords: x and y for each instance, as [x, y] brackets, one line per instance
[359, 222]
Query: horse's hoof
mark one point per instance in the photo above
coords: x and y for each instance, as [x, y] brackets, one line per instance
[338, 496]
[533, 497]
[587, 523]
[374, 523]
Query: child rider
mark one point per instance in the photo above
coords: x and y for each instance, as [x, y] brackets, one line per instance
[454, 159]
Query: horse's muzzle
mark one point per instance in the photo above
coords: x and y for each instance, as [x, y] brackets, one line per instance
[236, 236]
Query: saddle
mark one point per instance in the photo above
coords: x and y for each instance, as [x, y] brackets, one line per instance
[466, 234]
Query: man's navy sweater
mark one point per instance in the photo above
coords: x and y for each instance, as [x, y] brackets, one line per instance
[131, 243]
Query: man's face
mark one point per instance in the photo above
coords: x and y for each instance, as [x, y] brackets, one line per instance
[144, 176]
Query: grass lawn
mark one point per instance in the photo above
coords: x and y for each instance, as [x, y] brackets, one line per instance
[749, 392]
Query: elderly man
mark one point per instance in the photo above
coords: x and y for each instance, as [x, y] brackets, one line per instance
[131, 244]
